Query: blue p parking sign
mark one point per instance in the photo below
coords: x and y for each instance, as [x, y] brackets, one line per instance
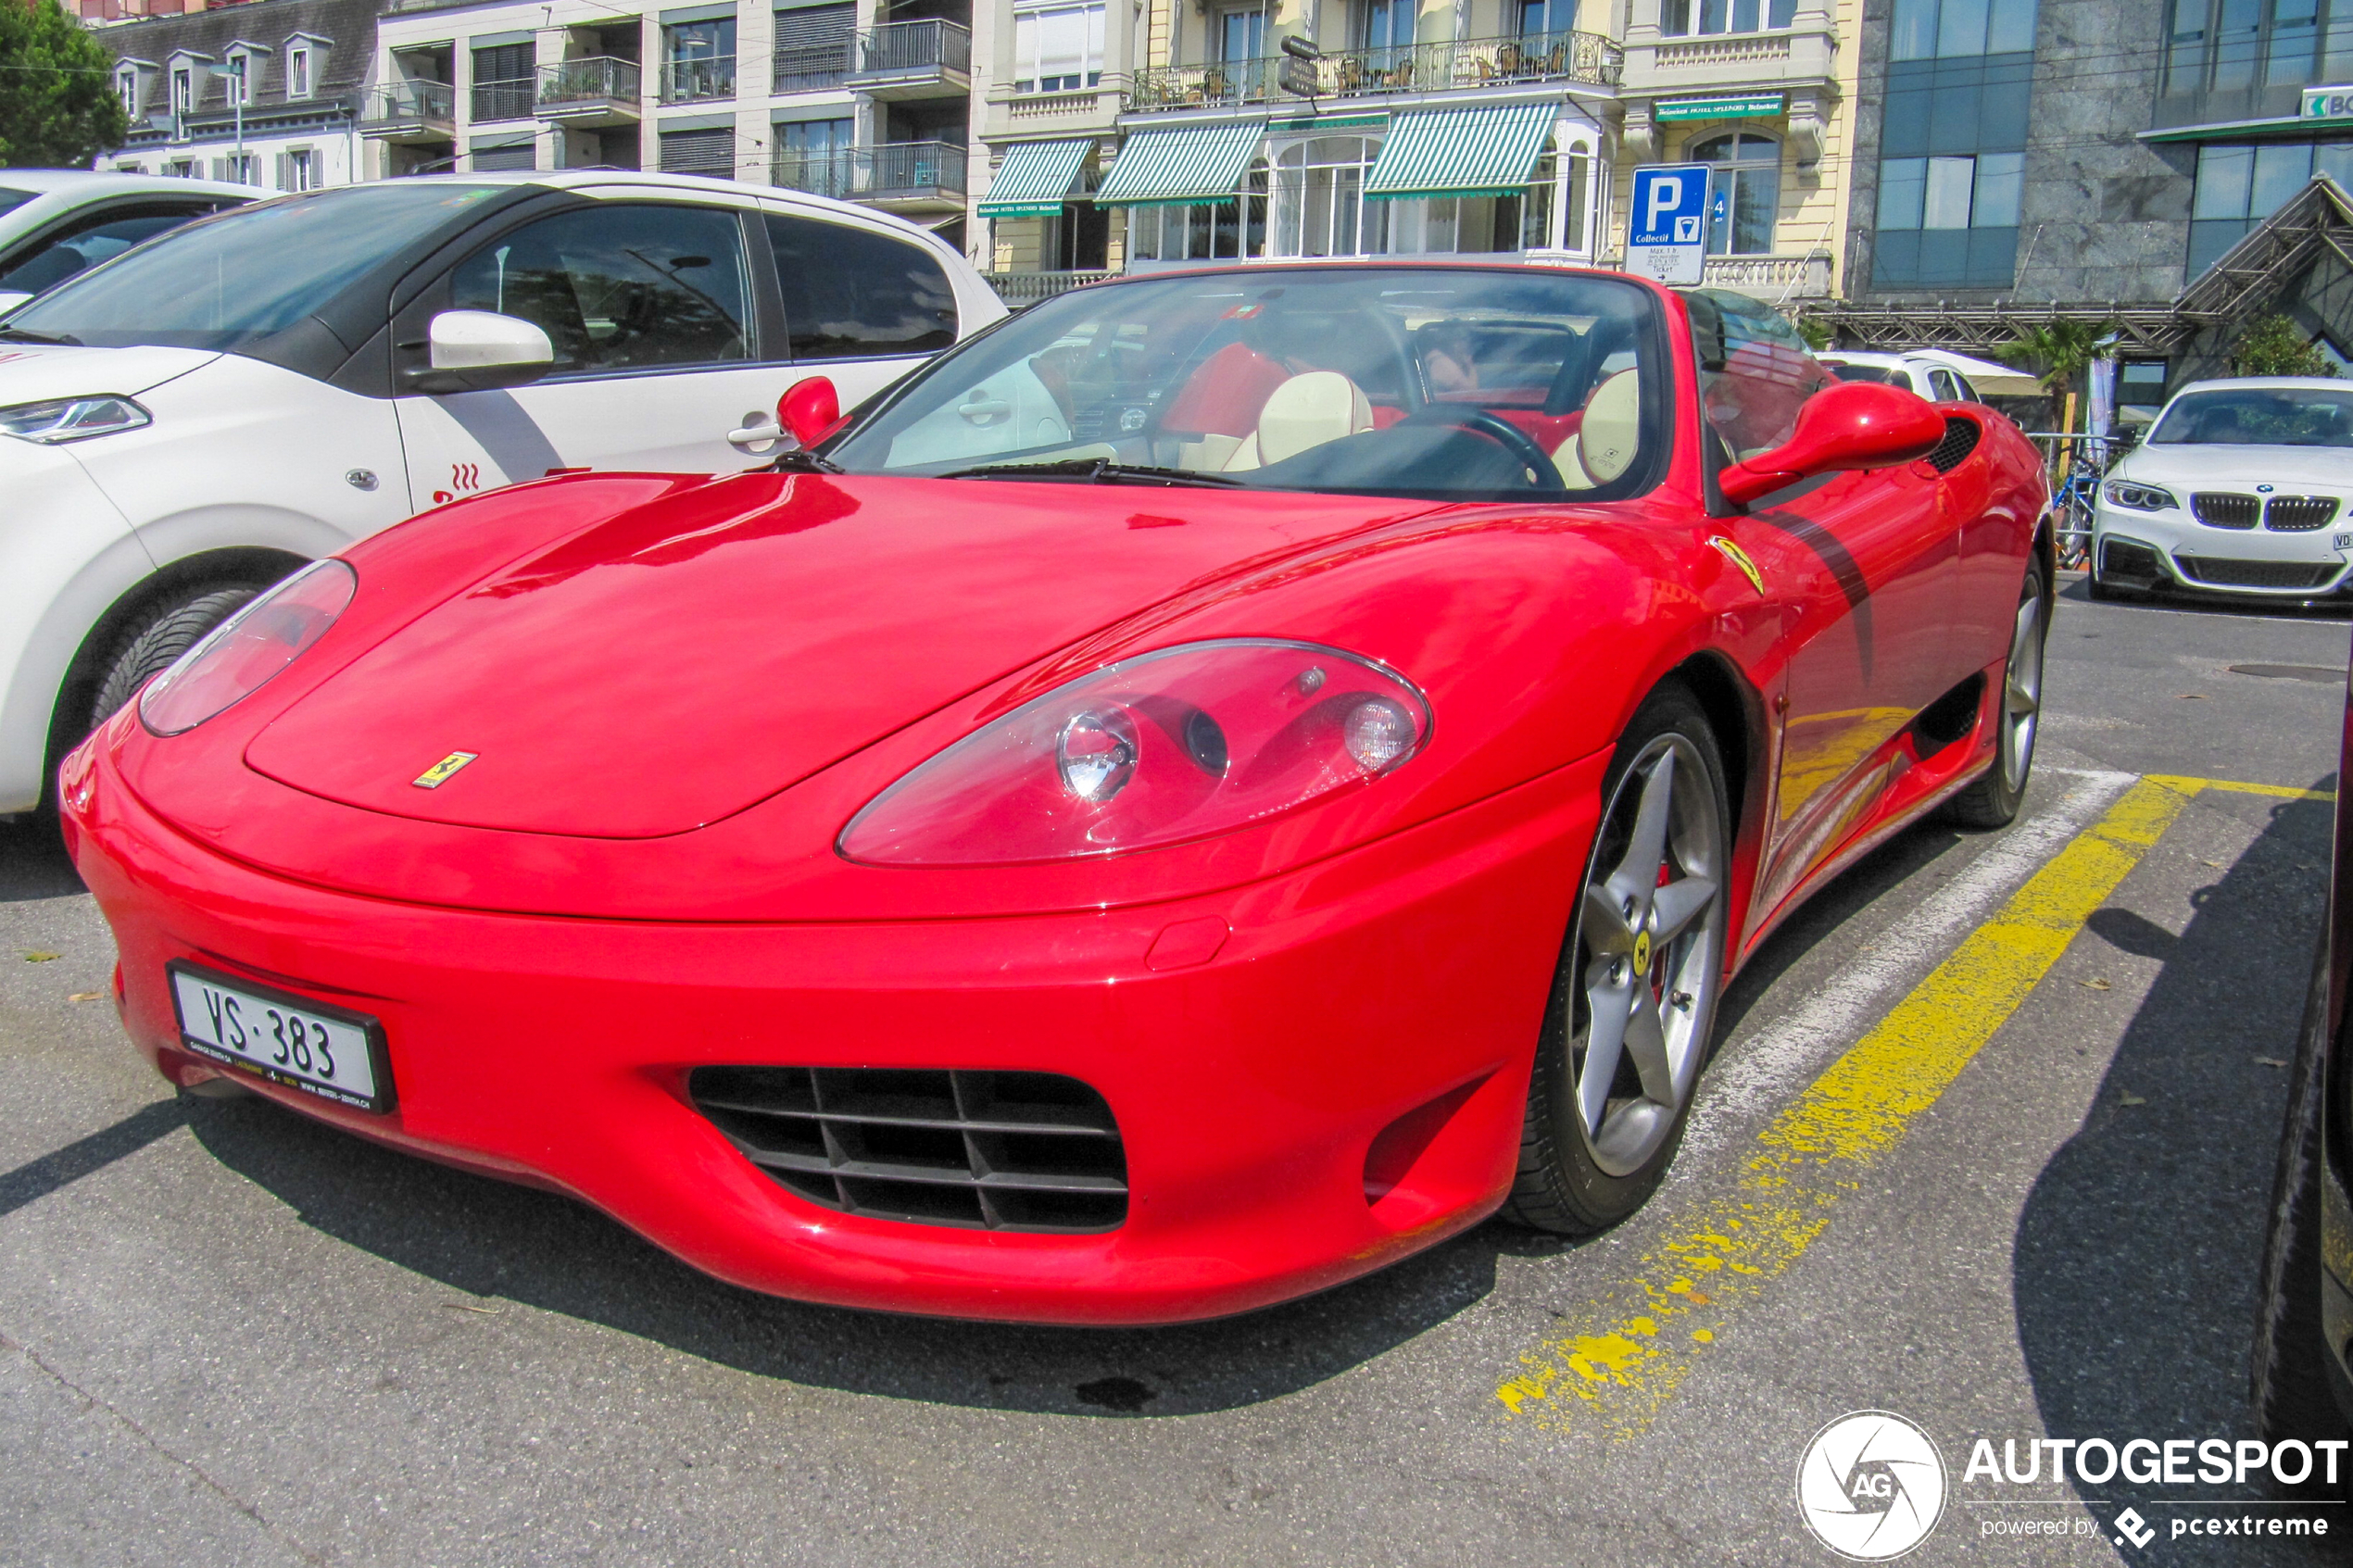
[1667, 231]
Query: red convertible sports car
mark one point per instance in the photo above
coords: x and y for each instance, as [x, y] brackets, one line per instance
[1216, 784]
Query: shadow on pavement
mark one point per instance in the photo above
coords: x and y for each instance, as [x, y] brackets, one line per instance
[33, 861]
[2136, 1255]
[2077, 586]
[488, 1238]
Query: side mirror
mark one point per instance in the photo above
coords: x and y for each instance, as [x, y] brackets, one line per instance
[1853, 425]
[480, 351]
[810, 409]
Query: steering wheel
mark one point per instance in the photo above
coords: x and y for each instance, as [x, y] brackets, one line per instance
[1504, 433]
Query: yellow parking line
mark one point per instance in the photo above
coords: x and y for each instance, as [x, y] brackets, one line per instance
[1615, 1364]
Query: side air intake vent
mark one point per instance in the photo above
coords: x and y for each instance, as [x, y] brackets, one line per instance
[1960, 439]
[1011, 1151]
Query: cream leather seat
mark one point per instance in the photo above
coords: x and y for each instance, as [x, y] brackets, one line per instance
[1604, 444]
[1305, 412]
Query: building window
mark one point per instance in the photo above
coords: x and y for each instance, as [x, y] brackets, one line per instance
[238, 168]
[710, 152]
[1241, 33]
[1058, 48]
[1385, 24]
[183, 90]
[126, 86]
[2230, 45]
[2140, 389]
[243, 78]
[1320, 194]
[815, 156]
[1931, 30]
[301, 170]
[298, 74]
[1678, 18]
[1743, 192]
[1234, 231]
[1978, 192]
[698, 61]
[1319, 208]
[2239, 187]
[502, 82]
[1538, 18]
[812, 46]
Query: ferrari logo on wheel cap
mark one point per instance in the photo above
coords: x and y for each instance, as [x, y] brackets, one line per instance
[438, 775]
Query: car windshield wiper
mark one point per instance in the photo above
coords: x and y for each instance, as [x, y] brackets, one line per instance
[801, 460]
[22, 335]
[1095, 470]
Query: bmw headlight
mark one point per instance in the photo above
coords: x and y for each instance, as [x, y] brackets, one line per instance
[71, 419]
[2139, 497]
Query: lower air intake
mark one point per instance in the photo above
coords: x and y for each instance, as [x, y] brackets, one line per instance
[2255, 573]
[1007, 1151]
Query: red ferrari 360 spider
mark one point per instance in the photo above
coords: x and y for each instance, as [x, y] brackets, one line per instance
[1216, 784]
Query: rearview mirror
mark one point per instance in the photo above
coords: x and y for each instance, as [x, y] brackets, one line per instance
[1853, 425]
[482, 350]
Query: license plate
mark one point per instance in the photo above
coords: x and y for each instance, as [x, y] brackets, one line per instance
[328, 1051]
[2343, 542]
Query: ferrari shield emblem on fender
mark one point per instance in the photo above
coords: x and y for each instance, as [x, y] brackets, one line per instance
[1732, 552]
[439, 774]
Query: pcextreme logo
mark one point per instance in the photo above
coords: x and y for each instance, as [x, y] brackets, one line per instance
[1872, 1485]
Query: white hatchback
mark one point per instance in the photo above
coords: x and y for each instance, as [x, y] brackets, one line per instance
[2240, 487]
[56, 222]
[187, 423]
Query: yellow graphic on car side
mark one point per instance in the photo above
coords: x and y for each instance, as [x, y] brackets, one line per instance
[439, 774]
[1739, 558]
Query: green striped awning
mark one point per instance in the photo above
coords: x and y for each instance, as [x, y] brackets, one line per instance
[1479, 152]
[1161, 167]
[1035, 179]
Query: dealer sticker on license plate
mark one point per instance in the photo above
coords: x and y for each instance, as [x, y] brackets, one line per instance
[327, 1051]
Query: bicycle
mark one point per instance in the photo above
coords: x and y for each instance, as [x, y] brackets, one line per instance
[2072, 507]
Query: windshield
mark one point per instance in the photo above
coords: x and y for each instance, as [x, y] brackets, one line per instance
[1451, 383]
[12, 199]
[2251, 416]
[1881, 375]
[225, 282]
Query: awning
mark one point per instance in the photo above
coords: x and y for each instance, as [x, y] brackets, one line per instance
[1204, 164]
[1481, 151]
[1035, 179]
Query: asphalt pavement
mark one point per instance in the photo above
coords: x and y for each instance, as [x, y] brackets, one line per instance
[228, 1335]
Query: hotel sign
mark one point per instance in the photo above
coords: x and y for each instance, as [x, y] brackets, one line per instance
[1753, 106]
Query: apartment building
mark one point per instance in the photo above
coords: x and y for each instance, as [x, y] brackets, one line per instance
[267, 93]
[1178, 133]
[866, 100]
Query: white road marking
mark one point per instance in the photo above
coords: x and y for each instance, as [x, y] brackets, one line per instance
[1761, 1072]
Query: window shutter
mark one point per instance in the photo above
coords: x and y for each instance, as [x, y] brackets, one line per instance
[285, 171]
[710, 152]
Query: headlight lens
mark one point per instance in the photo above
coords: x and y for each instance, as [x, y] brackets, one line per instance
[1182, 744]
[2139, 497]
[71, 419]
[241, 654]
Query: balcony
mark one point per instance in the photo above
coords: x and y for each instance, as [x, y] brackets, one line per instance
[1772, 278]
[1360, 73]
[696, 82]
[918, 59]
[598, 90]
[898, 176]
[516, 99]
[1021, 290]
[812, 67]
[411, 113]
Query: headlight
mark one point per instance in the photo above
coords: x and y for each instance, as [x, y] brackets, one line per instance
[2139, 497]
[71, 419]
[241, 653]
[1182, 744]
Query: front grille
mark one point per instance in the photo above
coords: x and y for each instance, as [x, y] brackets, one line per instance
[2255, 573]
[2219, 509]
[1010, 1151]
[1960, 439]
[2299, 514]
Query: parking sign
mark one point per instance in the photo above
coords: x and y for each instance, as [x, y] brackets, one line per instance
[1667, 231]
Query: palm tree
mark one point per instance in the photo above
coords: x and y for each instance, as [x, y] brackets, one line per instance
[2058, 351]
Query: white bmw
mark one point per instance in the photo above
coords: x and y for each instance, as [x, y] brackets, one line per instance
[2242, 487]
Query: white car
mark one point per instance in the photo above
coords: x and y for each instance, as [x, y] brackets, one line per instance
[56, 222]
[2240, 487]
[1937, 382]
[186, 425]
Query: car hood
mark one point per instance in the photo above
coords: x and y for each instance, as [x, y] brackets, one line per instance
[42, 372]
[2207, 468]
[684, 659]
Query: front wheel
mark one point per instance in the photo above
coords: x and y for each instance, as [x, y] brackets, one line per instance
[1634, 1003]
[1993, 800]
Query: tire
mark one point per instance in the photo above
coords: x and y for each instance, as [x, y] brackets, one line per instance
[1993, 799]
[165, 630]
[1594, 1149]
[2290, 1383]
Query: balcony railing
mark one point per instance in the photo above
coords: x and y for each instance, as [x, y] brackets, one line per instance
[588, 86]
[1356, 73]
[400, 105]
[917, 48]
[803, 68]
[903, 172]
[1020, 290]
[1773, 278]
[693, 81]
[514, 99]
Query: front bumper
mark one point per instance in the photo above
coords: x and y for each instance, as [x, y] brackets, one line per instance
[1394, 990]
[2172, 549]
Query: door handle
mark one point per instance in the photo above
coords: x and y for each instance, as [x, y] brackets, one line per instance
[760, 432]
